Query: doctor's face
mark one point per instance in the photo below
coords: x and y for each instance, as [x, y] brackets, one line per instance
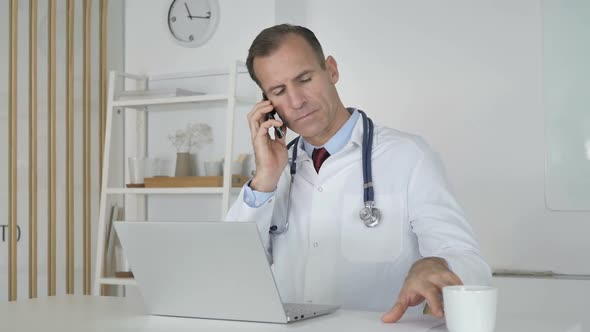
[302, 92]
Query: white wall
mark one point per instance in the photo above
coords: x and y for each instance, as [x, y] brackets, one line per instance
[566, 50]
[466, 75]
[523, 300]
[150, 48]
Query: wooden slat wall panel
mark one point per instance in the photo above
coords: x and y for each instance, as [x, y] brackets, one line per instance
[12, 158]
[51, 141]
[51, 151]
[70, 148]
[103, 72]
[33, 149]
[87, 172]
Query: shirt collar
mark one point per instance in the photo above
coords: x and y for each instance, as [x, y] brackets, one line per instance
[341, 138]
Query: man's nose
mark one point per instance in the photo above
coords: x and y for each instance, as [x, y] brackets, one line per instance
[296, 98]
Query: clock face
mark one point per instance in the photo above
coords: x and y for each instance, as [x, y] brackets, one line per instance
[193, 22]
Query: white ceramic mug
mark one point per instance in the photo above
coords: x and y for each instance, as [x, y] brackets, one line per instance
[136, 169]
[236, 167]
[213, 168]
[157, 167]
[470, 308]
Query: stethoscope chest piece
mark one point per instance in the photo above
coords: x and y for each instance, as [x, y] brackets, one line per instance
[370, 215]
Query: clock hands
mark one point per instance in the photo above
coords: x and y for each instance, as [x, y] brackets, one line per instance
[207, 17]
[191, 16]
[191, 37]
[188, 11]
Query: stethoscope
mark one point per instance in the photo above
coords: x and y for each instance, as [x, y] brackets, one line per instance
[369, 214]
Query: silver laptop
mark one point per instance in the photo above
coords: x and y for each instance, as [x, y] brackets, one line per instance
[212, 270]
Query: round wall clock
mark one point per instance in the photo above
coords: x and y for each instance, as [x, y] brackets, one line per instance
[193, 22]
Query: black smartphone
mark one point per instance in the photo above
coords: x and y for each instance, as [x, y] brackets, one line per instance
[270, 116]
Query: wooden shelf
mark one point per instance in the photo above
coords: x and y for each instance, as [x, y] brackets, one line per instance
[192, 181]
[124, 274]
[170, 191]
[118, 281]
[181, 185]
[169, 100]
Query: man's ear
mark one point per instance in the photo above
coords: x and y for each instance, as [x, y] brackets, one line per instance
[332, 68]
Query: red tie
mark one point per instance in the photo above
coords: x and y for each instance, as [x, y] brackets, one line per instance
[319, 156]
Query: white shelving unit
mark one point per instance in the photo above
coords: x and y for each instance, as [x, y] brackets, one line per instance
[135, 115]
[172, 191]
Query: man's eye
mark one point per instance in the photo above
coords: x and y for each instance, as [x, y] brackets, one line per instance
[307, 79]
[278, 92]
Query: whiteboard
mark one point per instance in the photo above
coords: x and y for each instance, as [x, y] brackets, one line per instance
[566, 99]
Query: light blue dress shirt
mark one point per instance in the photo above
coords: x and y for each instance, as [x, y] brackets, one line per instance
[256, 199]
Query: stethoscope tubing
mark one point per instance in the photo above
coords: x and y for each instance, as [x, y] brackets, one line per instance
[368, 192]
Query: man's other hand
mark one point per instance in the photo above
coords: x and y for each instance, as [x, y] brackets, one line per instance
[425, 281]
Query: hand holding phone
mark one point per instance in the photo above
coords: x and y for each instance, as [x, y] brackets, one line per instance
[270, 153]
[271, 116]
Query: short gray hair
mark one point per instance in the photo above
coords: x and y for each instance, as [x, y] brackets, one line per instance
[270, 39]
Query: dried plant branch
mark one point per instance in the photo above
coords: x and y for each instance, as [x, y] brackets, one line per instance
[192, 137]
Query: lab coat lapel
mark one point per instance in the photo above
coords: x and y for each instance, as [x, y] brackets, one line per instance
[339, 160]
[348, 156]
[304, 165]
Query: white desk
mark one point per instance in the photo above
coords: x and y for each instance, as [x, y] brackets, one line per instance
[86, 313]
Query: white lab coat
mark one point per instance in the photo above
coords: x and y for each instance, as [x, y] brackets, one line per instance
[329, 256]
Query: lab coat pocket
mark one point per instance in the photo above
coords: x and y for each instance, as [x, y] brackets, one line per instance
[382, 243]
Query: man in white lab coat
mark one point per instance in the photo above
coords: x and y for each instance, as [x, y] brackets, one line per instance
[321, 252]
